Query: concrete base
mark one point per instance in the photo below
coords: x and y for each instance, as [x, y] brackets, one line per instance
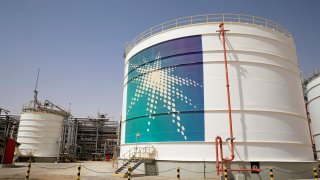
[7, 165]
[150, 168]
[37, 159]
[205, 170]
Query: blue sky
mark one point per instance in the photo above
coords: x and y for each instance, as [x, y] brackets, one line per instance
[79, 44]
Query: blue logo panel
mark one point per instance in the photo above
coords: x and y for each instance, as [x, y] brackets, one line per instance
[165, 93]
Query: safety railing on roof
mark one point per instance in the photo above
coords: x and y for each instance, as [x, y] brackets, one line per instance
[207, 18]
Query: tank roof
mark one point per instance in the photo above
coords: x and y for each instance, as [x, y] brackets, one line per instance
[47, 107]
[311, 77]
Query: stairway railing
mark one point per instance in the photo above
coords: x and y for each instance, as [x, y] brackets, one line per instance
[135, 154]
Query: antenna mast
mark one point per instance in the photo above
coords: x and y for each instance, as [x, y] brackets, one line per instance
[35, 91]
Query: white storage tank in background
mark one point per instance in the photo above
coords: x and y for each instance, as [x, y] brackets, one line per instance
[175, 94]
[313, 96]
[39, 134]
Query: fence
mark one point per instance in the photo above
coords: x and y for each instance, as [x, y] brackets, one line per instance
[181, 172]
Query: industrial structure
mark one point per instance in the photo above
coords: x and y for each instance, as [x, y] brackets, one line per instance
[49, 133]
[312, 91]
[221, 88]
[89, 138]
[8, 134]
[66, 139]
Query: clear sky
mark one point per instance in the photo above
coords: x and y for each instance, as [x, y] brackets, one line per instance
[79, 44]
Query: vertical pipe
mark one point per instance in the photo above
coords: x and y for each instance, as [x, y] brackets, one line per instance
[65, 137]
[72, 134]
[219, 145]
[228, 88]
[97, 135]
[178, 173]
[218, 138]
[77, 127]
[59, 149]
[7, 128]
[222, 31]
[204, 168]
[105, 149]
[69, 134]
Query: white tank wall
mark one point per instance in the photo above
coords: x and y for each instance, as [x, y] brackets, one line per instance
[313, 94]
[269, 117]
[39, 133]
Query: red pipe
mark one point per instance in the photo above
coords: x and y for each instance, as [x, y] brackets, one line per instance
[219, 142]
[228, 90]
[218, 138]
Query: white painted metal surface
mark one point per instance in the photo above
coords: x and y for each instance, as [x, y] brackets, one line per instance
[313, 94]
[269, 117]
[39, 134]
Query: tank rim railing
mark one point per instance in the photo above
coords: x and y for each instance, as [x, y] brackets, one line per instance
[47, 107]
[310, 77]
[206, 18]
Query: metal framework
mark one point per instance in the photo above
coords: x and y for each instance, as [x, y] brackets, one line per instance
[8, 128]
[89, 138]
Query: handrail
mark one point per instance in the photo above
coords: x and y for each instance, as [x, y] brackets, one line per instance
[207, 18]
[137, 153]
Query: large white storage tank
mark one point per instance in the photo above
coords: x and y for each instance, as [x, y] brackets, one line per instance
[175, 94]
[39, 134]
[313, 96]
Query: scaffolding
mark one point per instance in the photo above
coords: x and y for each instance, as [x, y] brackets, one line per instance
[89, 138]
[8, 128]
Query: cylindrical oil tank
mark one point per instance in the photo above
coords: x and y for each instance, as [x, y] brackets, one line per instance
[313, 96]
[175, 95]
[39, 134]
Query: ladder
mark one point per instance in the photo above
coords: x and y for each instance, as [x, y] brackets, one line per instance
[134, 157]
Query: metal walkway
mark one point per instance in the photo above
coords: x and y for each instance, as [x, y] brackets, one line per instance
[134, 158]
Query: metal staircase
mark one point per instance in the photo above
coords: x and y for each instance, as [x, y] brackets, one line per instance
[134, 157]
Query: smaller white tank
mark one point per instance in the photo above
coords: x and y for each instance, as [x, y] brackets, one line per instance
[313, 95]
[41, 128]
[39, 134]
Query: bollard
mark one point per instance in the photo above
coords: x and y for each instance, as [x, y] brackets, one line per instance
[319, 166]
[178, 173]
[28, 171]
[129, 172]
[271, 173]
[79, 169]
[315, 173]
[225, 173]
